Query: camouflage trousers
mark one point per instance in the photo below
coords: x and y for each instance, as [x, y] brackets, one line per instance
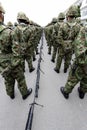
[9, 80]
[79, 76]
[49, 47]
[67, 58]
[54, 52]
[28, 58]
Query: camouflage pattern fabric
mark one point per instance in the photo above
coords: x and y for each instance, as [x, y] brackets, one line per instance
[66, 36]
[80, 72]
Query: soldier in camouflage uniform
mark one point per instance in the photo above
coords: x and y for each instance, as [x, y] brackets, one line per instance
[26, 31]
[78, 72]
[61, 18]
[48, 34]
[10, 62]
[66, 35]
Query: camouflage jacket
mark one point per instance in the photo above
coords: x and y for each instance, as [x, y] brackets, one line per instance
[81, 47]
[67, 34]
[21, 35]
[5, 49]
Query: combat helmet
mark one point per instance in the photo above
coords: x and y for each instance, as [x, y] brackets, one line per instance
[21, 16]
[2, 9]
[54, 20]
[27, 20]
[72, 11]
[61, 16]
[9, 24]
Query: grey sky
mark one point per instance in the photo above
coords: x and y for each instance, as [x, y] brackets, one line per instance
[40, 11]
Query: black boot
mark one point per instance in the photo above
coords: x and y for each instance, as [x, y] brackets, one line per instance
[34, 58]
[32, 69]
[57, 70]
[37, 53]
[66, 95]
[81, 94]
[28, 93]
[12, 96]
[49, 53]
[65, 70]
[53, 60]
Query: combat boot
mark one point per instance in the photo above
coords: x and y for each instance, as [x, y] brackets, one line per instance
[81, 94]
[12, 96]
[34, 58]
[37, 53]
[53, 60]
[49, 53]
[32, 69]
[28, 93]
[57, 70]
[66, 95]
[65, 70]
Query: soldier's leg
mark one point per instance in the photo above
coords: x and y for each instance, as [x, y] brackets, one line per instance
[49, 49]
[59, 60]
[70, 84]
[23, 63]
[30, 63]
[83, 86]
[67, 61]
[22, 86]
[9, 85]
[54, 54]
[34, 57]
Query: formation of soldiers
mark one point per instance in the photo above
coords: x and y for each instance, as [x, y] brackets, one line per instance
[65, 37]
[18, 42]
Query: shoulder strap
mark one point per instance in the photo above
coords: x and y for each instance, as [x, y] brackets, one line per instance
[2, 28]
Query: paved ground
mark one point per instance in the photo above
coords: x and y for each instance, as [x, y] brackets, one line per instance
[57, 113]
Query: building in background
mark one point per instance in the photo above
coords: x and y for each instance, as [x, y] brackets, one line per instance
[84, 11]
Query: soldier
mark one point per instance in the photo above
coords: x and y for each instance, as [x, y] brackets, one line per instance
[78, 72]
[61, 18]
[66, 35]
[49, 32]
[26, 33]
[10, 62]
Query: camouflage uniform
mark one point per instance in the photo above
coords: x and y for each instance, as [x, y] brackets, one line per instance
[25, 31]
[61, 17]
[16, 63]
[8, 70]
[78, 72]
[66, 35]
[48, 34]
